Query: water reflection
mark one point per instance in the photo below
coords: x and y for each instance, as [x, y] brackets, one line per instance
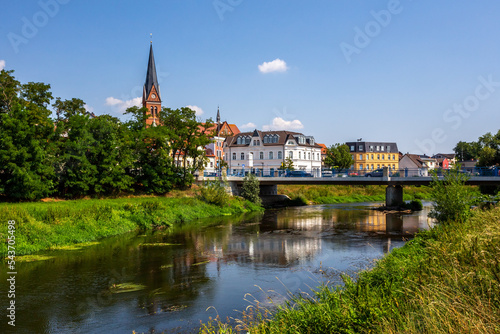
[187, 269]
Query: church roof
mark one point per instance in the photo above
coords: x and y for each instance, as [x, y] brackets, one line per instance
[151, 78]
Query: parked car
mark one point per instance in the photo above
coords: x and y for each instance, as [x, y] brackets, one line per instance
[298, 173]
[375, 173]
[327, 173]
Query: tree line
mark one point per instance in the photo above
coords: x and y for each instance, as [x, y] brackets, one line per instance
[76, 153]
[486, 150]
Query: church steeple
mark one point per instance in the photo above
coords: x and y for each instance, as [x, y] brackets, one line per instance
[151, 93]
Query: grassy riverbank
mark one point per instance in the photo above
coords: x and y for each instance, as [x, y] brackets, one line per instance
[40, 226]
[446, 280]
[328, 194]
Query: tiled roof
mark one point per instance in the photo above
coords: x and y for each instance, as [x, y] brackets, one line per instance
[283, 137]
[366, 146]
[415, 158]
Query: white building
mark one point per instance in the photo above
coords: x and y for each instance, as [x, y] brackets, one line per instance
[264, 151]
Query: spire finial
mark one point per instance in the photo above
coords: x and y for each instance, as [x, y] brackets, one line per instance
[151, 38]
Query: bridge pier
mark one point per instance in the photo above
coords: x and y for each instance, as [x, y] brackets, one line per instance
[394, 195]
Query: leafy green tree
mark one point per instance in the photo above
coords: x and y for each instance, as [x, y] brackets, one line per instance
[452, 199]
[26, 171]
[467, 151]
[187, 138]
[152, 165]
[287, 164]
[338, 157]
[251, 189]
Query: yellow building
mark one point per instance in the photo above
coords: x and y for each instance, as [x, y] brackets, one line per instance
[368, 156]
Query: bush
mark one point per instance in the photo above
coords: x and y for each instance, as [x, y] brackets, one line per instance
[250, 190]
[452, 199]
[414, 205]
[214, 192]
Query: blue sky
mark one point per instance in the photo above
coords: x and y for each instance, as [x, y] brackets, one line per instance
[424, 74]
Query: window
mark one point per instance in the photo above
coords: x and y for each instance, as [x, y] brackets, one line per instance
[383, 156]
[261, 155]
[352, 148]
[247, 140]
[372, 156]
[290, 154]
[378, 148]
[393, 157]
[300, 153]
[258, 142]
[211, 164]
[238, 140]
[360, 148]
[254, 142]
[382, 148]
[378, 166]
[317, 155]
[242, 156]
[371, 148]
[156, 111]
[308, 155]
[361, 167]
[388, 148]
[388, 157]
[234, 156]
[378, 156]
[361, 157]
[280, 155]
[271, 155]
[265, 140]
[372, 167]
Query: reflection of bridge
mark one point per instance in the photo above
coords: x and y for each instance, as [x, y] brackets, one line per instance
[394, 191]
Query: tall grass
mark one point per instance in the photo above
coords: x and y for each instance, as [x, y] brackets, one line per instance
[40, 226]
[331, 194]
[446, 280]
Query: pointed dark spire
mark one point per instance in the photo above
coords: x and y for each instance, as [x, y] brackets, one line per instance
[218, 115]
[151, 78]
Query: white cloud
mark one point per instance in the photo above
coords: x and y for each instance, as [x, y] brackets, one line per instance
[196, 109]
[2, 64]
[250, 126]
[120, 105]
[279, 123]
[276, 65]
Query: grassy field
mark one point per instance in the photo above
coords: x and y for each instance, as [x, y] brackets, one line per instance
[327, 194]
[40, 226]
[446, 280]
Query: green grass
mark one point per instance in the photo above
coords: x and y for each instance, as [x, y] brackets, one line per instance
[446, 280]
[41, 226]
[328, 194]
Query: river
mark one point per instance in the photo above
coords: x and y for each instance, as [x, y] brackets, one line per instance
[187, 274]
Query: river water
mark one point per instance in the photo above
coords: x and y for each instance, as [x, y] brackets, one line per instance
[188, 274]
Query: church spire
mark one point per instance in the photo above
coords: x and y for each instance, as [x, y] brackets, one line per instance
[218, 115]
[151, 79]
[151, 99]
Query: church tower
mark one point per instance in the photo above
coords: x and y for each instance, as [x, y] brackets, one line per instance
[151, 99]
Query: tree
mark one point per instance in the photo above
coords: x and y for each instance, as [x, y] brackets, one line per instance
[188, 139]
[287, 164]
[452, 199]
[467, 151]
[338, 157]
[251, 189]
[152, 166]
[26, 171]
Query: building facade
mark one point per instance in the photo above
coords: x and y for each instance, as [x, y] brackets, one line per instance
[264, 152]
[374, 155]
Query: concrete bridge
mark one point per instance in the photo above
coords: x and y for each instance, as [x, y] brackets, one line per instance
[394, 190]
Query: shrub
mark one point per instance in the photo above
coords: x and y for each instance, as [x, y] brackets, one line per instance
[250, 190]
[452, 200]
[214, 192]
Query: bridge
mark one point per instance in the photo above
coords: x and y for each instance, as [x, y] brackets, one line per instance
[394, 190]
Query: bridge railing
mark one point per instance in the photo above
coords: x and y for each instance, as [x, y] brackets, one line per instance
[329, 173]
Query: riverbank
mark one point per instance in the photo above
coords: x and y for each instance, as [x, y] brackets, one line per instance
[40, 226]
[333, 194]
[445, 280]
